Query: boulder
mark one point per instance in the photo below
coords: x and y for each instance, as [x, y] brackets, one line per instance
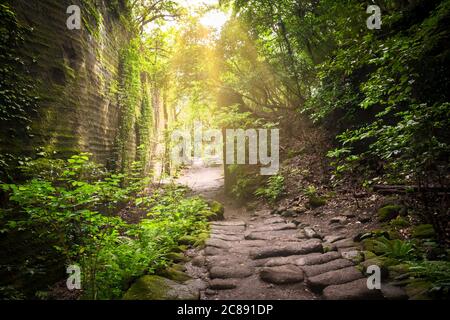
[174, 274]
[338, 219]
[159, 288]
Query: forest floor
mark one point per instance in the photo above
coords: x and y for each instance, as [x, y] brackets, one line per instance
[278, 254]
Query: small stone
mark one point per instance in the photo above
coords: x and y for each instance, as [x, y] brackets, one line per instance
[231, 272]
[282, 274]
[199, 261]
[222, 284]
[333, 238]
[354, 255]
[345, 243]
[311, 233]
[338, 219]
[210, 292]
[212, 251]
[274, 220]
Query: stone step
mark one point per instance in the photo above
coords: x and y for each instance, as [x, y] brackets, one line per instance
[228, 223]
[227, 237]
[341, 276]
[282, 275]
[317, 269]
[218, 243]
[289, 249]
[318, 259]
[274, 227]
[280, 261]
[223, 284]
[231, 272]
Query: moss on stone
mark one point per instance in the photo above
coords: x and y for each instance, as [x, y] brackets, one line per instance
[316, 201]
[389, 212]
[174, 274]
[217, 211]
[177, 257]
[187, 240]
[158, 288]
[423, 231]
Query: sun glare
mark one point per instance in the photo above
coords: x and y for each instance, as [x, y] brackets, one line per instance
[214, 19]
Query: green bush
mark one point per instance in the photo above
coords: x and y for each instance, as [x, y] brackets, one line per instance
[62, 206]
[273, 190]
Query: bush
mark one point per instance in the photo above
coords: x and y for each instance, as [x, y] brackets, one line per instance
[273, 190]
[60, 207]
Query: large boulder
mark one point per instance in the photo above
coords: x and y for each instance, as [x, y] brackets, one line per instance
[159, 288]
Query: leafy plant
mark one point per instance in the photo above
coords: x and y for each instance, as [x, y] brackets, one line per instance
[274, 189]
[396, 249]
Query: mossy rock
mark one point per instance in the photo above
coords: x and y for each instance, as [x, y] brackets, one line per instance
[423, 231]
[400, 222]
[398, 270]
[159, 288]
[394, 234]
[369, 244]
[316, 202]
[201, 239]
[389, 212]
[418, 290]
[369, 255]
[382, 262]
[174, 274]
[177, 257]
[187, 240]
[217, 211]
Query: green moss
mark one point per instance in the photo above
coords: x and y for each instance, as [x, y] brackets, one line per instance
[389, 212]
[217, 211]
[177, 257]
[316, 201]
[159, 288]
[399, 222]
[187, 240]
[174, 274]
[424, 231]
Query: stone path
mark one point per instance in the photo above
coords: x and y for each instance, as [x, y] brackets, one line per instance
[270, 258]
[261, 256]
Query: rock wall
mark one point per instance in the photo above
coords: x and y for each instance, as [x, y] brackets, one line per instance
[77, 74]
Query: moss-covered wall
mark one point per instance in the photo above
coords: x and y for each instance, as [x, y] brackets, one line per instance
[91, 95]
